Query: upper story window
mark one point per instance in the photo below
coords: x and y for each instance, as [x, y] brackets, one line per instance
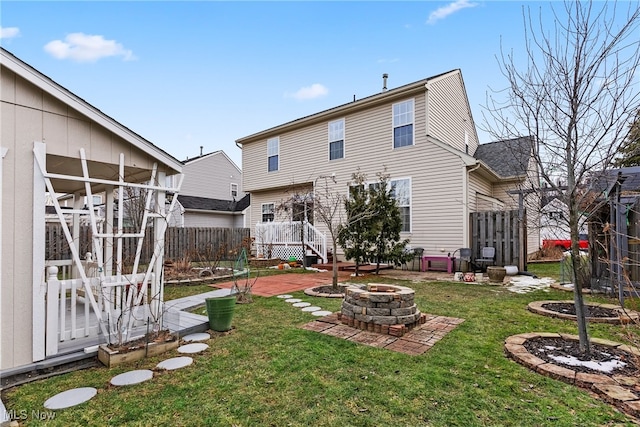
[268, 212]
[336, 139]
[234, 190]
[273, 151]
[403, 124]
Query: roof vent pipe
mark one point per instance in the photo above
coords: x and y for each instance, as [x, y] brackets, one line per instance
[385, 76]
[201, 147]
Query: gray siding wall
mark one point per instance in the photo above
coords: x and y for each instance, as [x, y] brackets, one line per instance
[436, 175]
[211, 177]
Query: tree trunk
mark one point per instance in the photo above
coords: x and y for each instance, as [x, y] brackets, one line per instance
[578, 276]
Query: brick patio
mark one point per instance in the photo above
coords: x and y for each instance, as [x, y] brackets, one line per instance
[414, 342]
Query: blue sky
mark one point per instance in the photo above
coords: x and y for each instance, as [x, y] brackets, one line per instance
[205, 73]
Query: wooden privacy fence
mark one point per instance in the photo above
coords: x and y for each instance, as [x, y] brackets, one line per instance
[199, 243]
[503, 230]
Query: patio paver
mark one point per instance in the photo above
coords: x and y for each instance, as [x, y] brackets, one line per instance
[415, 342]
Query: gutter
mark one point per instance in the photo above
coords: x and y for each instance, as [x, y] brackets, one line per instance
[465, 205]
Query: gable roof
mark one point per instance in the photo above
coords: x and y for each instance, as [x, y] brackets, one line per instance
[209, 155]
[367, 102]
[35, 77]
[509, 158]
[207, 204]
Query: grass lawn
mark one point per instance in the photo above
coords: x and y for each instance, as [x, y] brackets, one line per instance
[269, 372]
[545, 269]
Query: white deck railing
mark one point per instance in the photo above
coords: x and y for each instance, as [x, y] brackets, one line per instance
[71, 316]
[292, 238]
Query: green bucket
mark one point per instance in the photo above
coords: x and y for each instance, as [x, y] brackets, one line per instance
[220, 312]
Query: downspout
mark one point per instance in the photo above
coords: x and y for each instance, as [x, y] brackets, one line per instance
[466, 241]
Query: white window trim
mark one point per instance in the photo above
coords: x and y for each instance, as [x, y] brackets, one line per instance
[262, 211]
[413, 122]
[344, 141]
[408, 178]
[231, 190]
[277, 140]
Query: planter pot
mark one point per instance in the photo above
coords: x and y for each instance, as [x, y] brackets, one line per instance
[511, 270]
[220, 312]
[110, 357]
[496, 274]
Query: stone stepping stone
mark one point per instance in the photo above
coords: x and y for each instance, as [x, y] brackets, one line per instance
[200, 336]
[292, 300]
[69, 398]
[193, 348]
[320, 313]
[311, 308]
[284, 296]
[132, 377]
[301, 304]
[175, 363]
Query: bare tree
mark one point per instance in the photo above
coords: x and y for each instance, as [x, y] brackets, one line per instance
[574, 93]
[328, 209]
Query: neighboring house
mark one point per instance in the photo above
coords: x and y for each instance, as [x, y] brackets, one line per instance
[423, 133]
[53, 142]
[554, 221]
[211, 194]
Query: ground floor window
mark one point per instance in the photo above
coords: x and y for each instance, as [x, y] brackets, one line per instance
[268, 212]
[401, 191]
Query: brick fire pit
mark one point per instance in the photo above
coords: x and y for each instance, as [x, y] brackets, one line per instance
[387, 309]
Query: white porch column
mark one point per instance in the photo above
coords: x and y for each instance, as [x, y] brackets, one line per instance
[38, 276]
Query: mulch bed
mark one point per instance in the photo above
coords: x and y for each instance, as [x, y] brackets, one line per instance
[547, 348]
[590, 310]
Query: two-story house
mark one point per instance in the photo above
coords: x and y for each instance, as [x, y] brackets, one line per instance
[423, 133]
[211, 194]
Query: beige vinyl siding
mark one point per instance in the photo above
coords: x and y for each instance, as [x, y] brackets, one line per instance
[477, 186]
[211, 177]
[438, 201]
[449, 115]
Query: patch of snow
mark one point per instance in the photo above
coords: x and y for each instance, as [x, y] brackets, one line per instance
[525, 284]
[607, 366]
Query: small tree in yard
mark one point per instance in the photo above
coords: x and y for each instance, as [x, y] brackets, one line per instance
[574, 96]
[374, 223]
[328, 205]
[387, 224]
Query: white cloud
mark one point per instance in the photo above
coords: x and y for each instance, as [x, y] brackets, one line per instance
[9, 32]
[316, 90]
[449, 9]
[86, 48]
